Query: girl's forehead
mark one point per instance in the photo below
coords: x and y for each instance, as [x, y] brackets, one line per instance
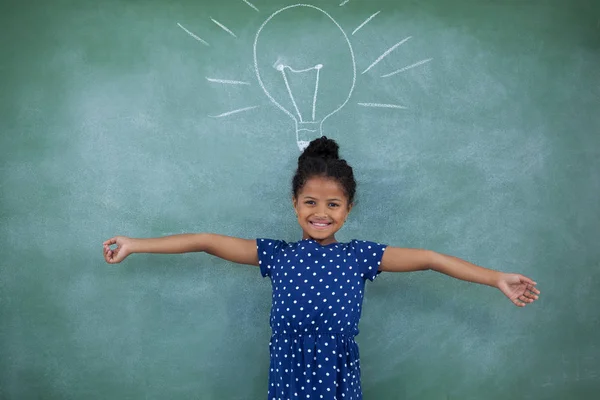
[322, 186]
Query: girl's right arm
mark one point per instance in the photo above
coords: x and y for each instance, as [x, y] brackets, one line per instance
[241, 251]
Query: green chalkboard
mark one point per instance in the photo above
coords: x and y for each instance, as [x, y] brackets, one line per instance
[474, 130]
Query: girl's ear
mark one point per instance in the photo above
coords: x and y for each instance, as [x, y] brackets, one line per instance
[350, 207]
[295, 203]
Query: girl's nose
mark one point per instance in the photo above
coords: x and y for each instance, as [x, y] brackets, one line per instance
[321, 212]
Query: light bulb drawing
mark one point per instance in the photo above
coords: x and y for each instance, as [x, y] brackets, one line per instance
[307, 72]
[308, 123]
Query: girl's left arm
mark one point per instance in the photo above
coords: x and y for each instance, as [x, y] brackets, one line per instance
[519, 289]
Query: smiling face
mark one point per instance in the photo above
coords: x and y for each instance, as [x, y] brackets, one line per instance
[322, 208]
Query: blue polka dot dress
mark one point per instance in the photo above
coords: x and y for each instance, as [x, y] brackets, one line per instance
[316, 306]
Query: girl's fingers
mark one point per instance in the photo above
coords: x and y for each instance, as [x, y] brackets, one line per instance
[109, 255]
[524, 299]
[528, 280]
[518, 303]
[533, 290]
[531, 295]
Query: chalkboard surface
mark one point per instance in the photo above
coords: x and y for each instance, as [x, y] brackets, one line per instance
[473, 128]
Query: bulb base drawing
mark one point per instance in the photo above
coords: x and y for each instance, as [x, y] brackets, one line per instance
[305, 132]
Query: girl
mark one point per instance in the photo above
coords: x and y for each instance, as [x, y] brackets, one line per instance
[318, 283]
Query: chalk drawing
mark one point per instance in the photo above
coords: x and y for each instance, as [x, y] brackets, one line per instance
[407, 68]
[382, 105]
[387, 52]
[282, 68]
[226, 29]
[239, 110]
[301, 123]
[250, 4]
[308, 122]
[314, 105]
[287, 85]
[193, 35]
[226, 81]
[365, 22]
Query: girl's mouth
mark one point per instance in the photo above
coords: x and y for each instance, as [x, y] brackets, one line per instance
[320, 225]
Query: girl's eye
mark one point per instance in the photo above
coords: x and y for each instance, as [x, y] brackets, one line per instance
[333, 205]
[309, 202]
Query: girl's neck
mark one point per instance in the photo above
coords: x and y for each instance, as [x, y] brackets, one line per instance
[322, 242]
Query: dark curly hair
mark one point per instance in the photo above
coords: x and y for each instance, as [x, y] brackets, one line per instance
[321, 159]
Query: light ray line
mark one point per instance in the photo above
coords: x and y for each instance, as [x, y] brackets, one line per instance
[381, 57]
[250, 4]
[344, 2]
[226, 29]
[366, 21]
[405, 68]
[193, 35]
[225, 114]
[382, 105]
[230, 82]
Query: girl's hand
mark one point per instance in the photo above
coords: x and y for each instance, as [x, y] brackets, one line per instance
[123, 249]
[518, 288]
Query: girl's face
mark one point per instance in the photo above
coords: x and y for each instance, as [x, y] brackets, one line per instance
[322, 208]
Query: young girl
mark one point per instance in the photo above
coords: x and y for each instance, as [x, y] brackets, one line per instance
[318, 283]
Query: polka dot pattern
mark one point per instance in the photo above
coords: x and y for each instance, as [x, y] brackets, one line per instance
[316, 306]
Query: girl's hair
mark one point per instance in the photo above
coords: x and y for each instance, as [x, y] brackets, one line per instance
[321, 159]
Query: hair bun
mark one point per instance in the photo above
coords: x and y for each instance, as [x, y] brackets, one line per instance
[321, 148]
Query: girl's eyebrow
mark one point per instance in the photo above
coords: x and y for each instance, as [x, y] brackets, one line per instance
[314, 198]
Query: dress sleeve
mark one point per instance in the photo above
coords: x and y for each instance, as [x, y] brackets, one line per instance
[267, 249]
[368, 257]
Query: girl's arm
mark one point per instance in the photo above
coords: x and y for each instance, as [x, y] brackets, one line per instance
[518, 288]
[242, 251]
